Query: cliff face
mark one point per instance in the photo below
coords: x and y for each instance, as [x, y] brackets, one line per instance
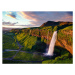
[64, 35]
[67, 41]
[63, 43]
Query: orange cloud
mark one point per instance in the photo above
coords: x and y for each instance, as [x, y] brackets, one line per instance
[12, 16]
[29, 15]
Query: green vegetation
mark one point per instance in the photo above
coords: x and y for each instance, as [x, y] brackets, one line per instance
[28, 57]
[9, 54]
[63, 57]
[26, 41]
[64, 36]
[34, 42]
[23, 56]
[55, 28]
[30, 43]
[15, 62]
[9, 42]
[68, 28]
[60, 59]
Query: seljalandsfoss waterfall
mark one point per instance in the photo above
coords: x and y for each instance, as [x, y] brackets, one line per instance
[52, 44]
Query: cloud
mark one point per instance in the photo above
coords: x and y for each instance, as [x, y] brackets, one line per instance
[9, 23]
[18, 26]
[6, 23]
[37, 18]
[29, 15]
[65, 18]
[12, 15]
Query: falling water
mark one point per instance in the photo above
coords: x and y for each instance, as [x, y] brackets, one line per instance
[52, 43]
[51, 46]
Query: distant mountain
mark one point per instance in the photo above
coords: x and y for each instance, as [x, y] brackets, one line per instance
[52, 23]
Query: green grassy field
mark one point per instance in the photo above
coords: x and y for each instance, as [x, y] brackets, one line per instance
[9, 42]
[28, 57]
[9, 54]
[63, 59]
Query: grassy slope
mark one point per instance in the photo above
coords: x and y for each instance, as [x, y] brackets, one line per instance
[9, 42]
[26, 41]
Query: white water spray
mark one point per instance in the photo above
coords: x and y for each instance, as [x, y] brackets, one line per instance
[52, 43]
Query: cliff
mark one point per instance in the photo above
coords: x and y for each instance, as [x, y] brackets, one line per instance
[64, 38]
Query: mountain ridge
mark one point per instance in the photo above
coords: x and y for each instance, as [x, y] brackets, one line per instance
[53, 23]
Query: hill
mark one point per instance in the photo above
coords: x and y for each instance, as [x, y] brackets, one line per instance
[52, 23]
[65, 34]
[35, 41]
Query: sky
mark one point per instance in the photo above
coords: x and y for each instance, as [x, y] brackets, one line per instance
[27, 19]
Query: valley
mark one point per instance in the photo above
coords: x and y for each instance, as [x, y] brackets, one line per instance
[27, 45]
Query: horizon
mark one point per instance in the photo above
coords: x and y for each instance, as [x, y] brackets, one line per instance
[26, 19]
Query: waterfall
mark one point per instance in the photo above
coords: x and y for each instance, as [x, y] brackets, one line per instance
[52, 43]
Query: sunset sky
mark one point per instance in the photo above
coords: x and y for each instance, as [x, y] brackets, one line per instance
[25, 19]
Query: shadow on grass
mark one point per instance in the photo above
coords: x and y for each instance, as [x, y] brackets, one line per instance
[39, 46]
[63, 26]
[59, 52]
